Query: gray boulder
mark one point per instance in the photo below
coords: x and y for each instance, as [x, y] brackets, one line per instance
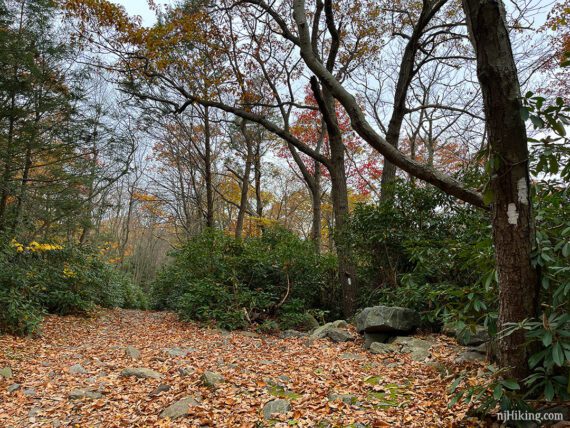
[345, 398]
[289, 334]
[370, 338]
[133, 352]
[273, 407]
[77, 369]
[419, 349]
[13, 388]
[5, 373]
[179, 352]
[212, 379]
[78, 393]
[382, 348]
[338, 335]
[385, 319]
[180, 408]
[141, 372]
[470, 356]
[467, 336]
[333, 330]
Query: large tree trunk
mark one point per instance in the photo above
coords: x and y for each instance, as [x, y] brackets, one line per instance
[208, 170]
[339, 193]
[512, 209]
[316, 204]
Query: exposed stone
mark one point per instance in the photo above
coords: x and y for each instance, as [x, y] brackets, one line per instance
[345, 398]
[133, 352]
[470, 356]
[382, 348]
[6, 373]
[338, 335]
[279, 406]
[350, 356]
[212, 379]
[79, 393]
[467, 336]
[179, 352]
[310, 323]
[417, 348]
[77, 369]
[141, 372]
[333, 331]
[29, 392]
[340, 324]
[185, 371]
[179, 408]
[160, 388]
[385, 319]
[370, 338]
[14, 387]
[288, 334]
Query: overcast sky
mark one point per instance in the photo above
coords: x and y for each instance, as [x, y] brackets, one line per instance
[139, 7]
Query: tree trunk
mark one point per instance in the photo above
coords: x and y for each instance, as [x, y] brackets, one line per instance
[336, 167]
[244, 181]
[257, 168]
[511, 208]
[316, 205]
[208, 170]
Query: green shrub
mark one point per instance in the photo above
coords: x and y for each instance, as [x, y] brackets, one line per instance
[234, 283]
[38, 278]
[426, 252]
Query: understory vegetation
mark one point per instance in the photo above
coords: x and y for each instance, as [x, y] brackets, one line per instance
[40, 278]
[223, 162]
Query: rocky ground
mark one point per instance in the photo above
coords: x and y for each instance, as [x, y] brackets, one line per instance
[124, 368]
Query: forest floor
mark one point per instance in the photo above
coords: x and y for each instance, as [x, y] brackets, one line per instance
[72, 375]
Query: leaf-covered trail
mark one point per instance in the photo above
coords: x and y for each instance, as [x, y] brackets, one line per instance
[387, 390]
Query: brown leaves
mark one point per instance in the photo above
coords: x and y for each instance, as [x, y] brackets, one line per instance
[388, 390]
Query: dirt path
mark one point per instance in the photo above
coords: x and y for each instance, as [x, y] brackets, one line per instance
[379, 390]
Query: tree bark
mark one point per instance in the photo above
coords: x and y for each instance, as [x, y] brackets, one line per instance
[512, 209]
[208, 170]
[244, 181]
[339, 193]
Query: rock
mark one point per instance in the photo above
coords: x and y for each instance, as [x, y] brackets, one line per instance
[289, 334]
[141, 372]
[29, 392]
[179, 352]
[333, 331]
[251, 334]
[310, 323]
[345, 398]
[6, 373]
[384, 319]
[338, 335]
[340, 324]
[321, 332]
[133, 352]
[350, 356]
[78, 393]
[13, 388]
[180, 408]
[370, 338]
[470, 356]
[467, 336]
[185, 371]
[278, 406]
[382, 348]
[417, 348]
[212, 379]
[160, 388]
[77, 369]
